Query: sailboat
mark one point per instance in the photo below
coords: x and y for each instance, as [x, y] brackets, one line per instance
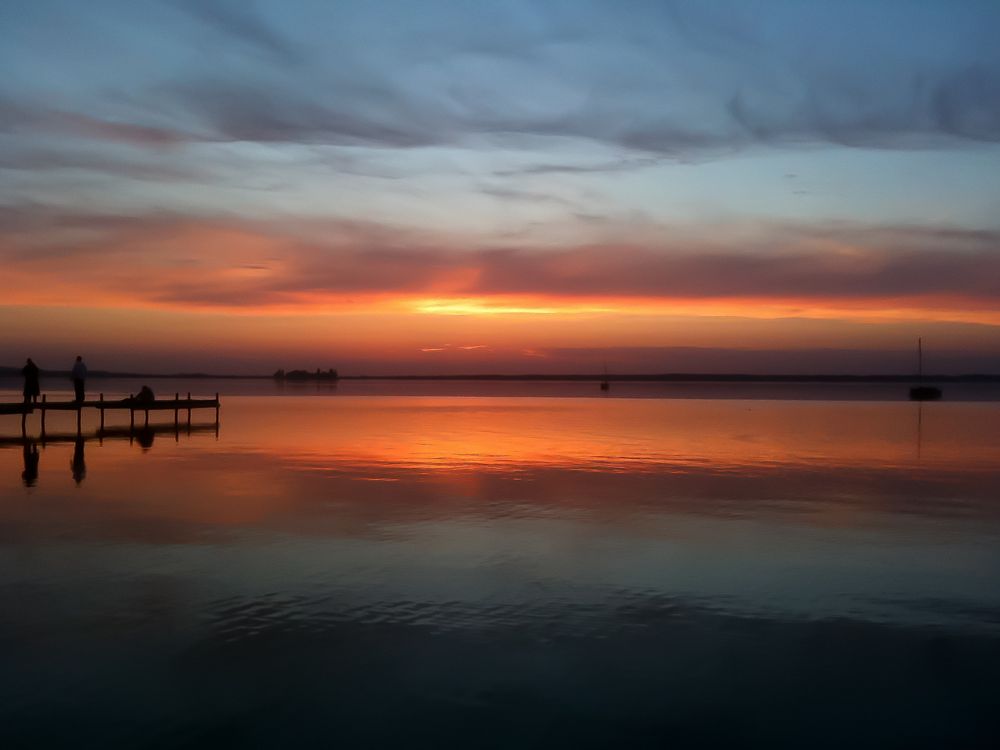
[923, 392]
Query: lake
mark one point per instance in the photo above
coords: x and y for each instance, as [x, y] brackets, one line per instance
[504, 566]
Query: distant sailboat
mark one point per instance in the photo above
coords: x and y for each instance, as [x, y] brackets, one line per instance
[923, 392]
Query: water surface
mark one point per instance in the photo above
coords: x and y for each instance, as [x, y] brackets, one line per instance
[505, 571]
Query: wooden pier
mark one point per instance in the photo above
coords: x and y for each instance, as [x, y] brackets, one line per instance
[130, 404]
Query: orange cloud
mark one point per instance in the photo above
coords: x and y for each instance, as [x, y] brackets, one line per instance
[333, 267]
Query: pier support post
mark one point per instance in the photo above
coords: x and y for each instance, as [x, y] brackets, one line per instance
[101, 407]
[189, 408]
[217, 408]
[145, 424]
[44, 411]
[79, 412]
[131, 415]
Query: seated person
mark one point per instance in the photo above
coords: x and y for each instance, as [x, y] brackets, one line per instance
[145, 394]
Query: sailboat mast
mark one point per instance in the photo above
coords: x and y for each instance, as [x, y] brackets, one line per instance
[921, 392]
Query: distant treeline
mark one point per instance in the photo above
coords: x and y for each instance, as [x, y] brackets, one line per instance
[330, 374]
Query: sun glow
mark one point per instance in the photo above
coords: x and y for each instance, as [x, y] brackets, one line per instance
[885, 310]
[501, 307]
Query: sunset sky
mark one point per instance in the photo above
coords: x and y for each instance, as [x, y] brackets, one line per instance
[513, 187]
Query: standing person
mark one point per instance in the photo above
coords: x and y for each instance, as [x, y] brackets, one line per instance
[79, 377]
[32, 389]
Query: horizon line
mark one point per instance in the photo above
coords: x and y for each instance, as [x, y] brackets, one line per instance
[7, 371]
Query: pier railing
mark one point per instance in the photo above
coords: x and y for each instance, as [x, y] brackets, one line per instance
[130, 404]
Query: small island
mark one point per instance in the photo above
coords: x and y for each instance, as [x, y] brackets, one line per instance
[330, 374]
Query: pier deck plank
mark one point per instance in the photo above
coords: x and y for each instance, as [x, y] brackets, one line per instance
[161, 404]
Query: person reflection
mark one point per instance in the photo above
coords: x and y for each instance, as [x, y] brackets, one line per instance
[30, 473]
[145, 437]
[78, 466]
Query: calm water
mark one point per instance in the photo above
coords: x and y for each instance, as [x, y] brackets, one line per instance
[505, 571]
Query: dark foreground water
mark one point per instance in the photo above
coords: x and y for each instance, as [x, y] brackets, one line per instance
[440, 571]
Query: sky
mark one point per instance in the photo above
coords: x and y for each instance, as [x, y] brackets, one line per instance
[520, 187]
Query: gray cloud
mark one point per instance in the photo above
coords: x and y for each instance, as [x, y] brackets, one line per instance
[964, 104]
[878, 271]
[677, 80]
[528, 196]
[748, 89]
[967, 104]
[23, 116]
[241, 22]
[276, 113]
[115, 165]
[619, 165]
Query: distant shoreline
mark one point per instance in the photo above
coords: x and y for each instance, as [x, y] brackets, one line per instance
[15, 372]
[697, 378]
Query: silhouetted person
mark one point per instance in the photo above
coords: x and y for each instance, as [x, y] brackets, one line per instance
[78, 466]
[145, 394]
[32, 388]
[79, 375]
[30, 473]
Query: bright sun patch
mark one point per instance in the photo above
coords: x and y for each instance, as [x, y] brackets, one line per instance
[480, 307]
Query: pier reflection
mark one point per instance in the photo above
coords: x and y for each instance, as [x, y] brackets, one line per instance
[143, 437]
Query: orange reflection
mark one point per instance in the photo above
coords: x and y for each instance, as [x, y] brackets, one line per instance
[447, 433]
[353, 465]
